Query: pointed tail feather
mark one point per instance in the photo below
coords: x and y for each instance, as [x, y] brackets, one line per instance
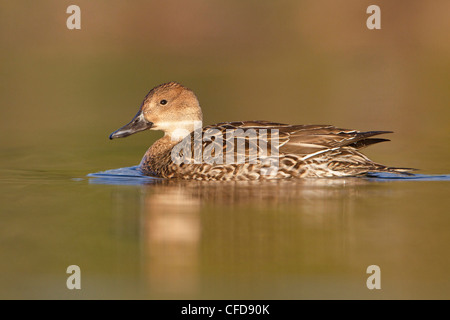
[399, 170]
[366, 142]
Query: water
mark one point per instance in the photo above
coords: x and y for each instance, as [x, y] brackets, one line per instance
[290, 239]
[142, 237]
[62, 93]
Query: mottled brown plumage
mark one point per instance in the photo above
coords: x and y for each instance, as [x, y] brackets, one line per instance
[303, 151]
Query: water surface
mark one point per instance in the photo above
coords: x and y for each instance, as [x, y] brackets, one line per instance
[143, 237]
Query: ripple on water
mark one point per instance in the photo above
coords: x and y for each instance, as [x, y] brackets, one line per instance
[132, 176]
[122, 176]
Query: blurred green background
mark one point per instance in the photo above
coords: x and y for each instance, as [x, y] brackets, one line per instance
[62, 92]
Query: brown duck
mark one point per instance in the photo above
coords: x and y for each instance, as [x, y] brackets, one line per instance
[268, 150]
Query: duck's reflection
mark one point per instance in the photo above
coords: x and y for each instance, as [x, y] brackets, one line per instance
[190, 227]
[255, 192]
[171, 234]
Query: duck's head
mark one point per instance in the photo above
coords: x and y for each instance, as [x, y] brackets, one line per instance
[169, 107]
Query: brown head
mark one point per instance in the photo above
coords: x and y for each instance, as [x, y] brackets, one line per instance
[169, 107]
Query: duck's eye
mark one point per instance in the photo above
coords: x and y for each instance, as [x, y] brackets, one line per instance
[163, 102]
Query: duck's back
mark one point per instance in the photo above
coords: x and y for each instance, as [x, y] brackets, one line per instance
[251, 150]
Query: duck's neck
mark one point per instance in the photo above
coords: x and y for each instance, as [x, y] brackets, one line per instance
[158, 155]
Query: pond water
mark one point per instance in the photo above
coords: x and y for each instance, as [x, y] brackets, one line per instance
[143, 237]
[63, 92]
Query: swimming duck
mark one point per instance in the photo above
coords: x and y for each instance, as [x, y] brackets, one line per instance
[269, 150]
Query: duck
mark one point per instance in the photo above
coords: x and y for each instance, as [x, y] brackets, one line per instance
[243, 150]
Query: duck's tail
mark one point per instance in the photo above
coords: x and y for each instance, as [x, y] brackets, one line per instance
[398, 170]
